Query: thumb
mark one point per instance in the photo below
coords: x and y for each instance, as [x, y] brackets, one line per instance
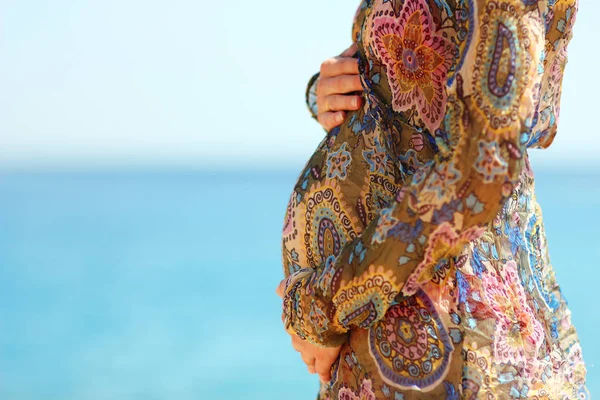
[349, 52]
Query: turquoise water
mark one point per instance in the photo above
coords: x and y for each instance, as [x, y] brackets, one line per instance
[160, 285]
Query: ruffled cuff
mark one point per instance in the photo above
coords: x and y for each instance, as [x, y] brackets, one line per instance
[306, 314]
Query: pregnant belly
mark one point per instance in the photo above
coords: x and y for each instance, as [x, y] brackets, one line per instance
[346, 181]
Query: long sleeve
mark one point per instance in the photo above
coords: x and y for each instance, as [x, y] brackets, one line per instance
[311, 95]
[450, 201]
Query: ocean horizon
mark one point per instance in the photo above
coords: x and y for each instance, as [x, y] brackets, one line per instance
[160, 284]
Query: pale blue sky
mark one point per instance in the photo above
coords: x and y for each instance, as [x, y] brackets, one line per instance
[197, 83]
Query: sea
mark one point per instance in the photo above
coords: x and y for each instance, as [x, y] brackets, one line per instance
[160, 284]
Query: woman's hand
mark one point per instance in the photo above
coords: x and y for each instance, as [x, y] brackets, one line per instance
[338, 78]
[318, 359]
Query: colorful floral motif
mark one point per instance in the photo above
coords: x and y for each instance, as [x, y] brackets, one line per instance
[441, 182]
[410, 344]
[338, 162]
[413, 238]
[417, 59]
[444, 241]
[365, 392]
[489, 162]
[518, 334]
[376, 157]
[386, 223]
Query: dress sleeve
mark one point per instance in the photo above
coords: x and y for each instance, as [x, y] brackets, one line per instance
[311, 95]
[450, 201]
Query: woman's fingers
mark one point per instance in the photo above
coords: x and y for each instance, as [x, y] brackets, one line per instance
[339, 76]
[323, 369]
[308, 357]
[330, 120]
[339, 85]
[318, 360]
[333, 107]
[325, 378]
[310, 361]
[339, 102]
[339, 66]
[324, 360]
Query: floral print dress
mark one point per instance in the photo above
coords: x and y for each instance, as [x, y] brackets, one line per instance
[413, 237]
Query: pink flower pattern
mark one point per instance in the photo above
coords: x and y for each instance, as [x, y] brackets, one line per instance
[518, 334]
[416, 59]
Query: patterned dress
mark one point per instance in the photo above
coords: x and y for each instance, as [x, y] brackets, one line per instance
[413, 237]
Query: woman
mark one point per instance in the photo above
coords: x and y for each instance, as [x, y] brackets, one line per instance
[414, 247]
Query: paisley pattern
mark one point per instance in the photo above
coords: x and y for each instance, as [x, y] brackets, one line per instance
[363, 299]
[499, 64]
[413, 238]
[291, 258]
[328, 226]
